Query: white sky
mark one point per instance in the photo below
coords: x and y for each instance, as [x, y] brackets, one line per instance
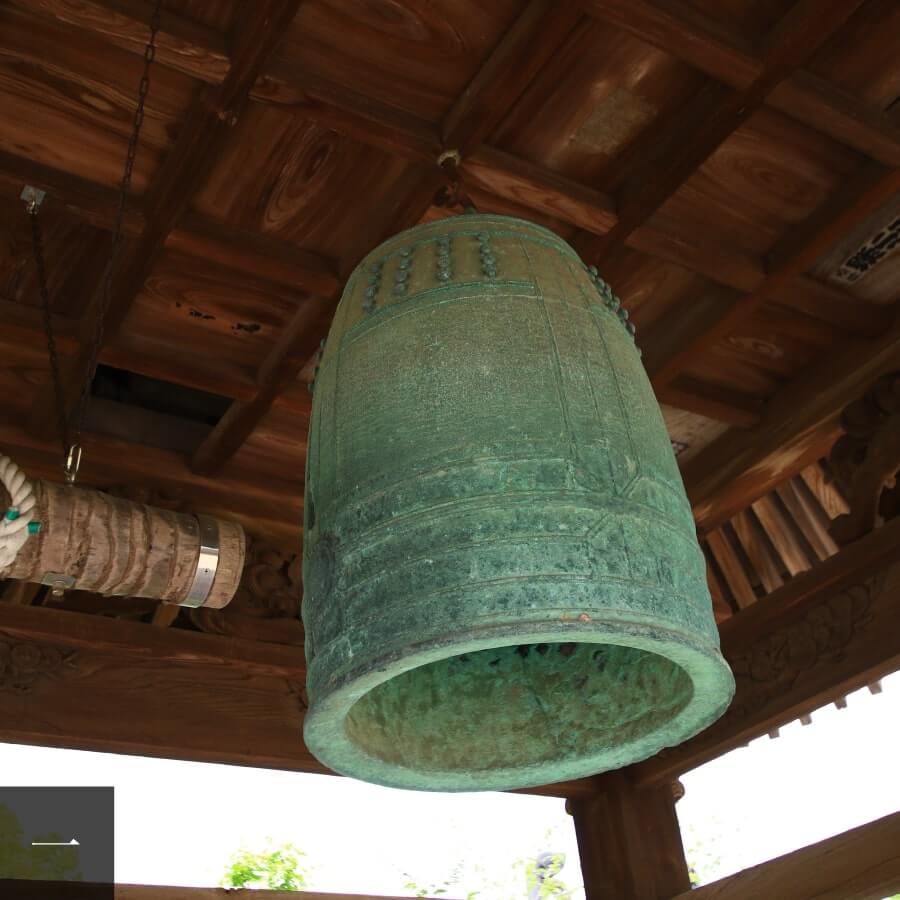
[178, 822]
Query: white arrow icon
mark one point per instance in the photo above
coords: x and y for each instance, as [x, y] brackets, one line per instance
[72, 843]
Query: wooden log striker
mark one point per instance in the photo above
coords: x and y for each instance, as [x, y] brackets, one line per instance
[117, 547]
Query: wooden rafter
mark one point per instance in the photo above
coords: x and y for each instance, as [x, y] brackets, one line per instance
[856, 865]
[844, 609]
[798, 427]
[688, 34]
[801, 247]
[202, 137]
[541, 26]
[713, 115]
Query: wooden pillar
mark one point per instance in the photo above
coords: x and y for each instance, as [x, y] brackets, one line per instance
[629, 841]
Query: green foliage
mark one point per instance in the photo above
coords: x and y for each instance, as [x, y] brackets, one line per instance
[276, 868]
[18, 859]
[544, 883]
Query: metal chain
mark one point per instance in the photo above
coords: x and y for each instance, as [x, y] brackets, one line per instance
[124, 188]
[70, 430]
[37, 244]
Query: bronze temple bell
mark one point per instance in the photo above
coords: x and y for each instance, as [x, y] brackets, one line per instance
[503, 586]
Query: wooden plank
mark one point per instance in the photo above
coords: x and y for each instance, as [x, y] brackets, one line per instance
[296, 345]
[264, 257]
[539, 28]
[182, 44]
[759, 553]
[163, 692]
[685, 32]
[711, 401]
[731, 568]
[831, 499]
[201, 138]
[92, 203]
[799, 425]
[714, 114]
[266, 504]
[778, 528]
[537, 32]
[851, 204]
[535, 187]
[809, 518]
[629, 841]
[823, 635]
[860, 864]
[139, 642]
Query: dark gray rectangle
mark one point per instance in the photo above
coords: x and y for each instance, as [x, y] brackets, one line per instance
[57, 834]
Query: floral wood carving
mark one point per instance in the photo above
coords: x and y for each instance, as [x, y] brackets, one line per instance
[771, 667]
[24, 665]
[266, 606]
[866, 460]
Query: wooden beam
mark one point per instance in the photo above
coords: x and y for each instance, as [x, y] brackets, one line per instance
[799, 425]
[270, 507]
[685, 32]
[535, 34]
[164, 692]
[22, 325]
[519, 56]
[507, 176]
[201, 139]
[296, 345]
[629, 841]
[757, 549]
[182, 44]
[860, 864]
[714, 114]
[711, 401]
[731, 568]
[776, 525]
[261, 256]
[824, 634]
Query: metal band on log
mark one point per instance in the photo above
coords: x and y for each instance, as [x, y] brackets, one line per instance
[91, 541]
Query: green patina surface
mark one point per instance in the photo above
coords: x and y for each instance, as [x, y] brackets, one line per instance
[502, 582]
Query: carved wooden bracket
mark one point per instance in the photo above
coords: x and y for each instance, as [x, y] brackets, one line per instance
[866, 460]
[266, 606]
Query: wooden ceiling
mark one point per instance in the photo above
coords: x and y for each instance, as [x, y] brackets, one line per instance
[726, 163]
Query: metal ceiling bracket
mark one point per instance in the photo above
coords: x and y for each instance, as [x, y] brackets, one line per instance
[58, 582]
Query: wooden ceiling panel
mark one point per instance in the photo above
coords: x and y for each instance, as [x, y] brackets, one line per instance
[215, 312]
[770, 174]
[740, 369]
[67, 99]
[866, 262]
[864, 57]
[753, 19]
[690, 433]
[74, 255]
[287, 177]
[217, 14]
[651, 289]
[595, 97]
[278, 444]
[415, 55]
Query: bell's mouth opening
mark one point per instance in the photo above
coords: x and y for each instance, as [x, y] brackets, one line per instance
[517, 707]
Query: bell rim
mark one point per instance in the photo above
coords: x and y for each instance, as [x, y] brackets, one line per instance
[711, 678]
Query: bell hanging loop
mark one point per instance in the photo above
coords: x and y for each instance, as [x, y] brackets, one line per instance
[453, 194]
